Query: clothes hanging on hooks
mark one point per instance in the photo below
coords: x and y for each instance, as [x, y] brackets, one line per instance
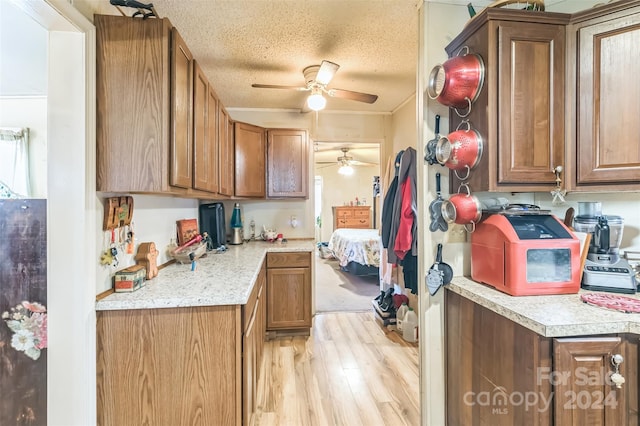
[406, 176]
[387, 206]
[399, 218]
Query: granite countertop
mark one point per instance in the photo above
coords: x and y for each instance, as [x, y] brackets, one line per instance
[550, 316]
[219, 279]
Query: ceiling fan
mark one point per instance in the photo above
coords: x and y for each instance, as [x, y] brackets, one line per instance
[345, 160]
[317, 77]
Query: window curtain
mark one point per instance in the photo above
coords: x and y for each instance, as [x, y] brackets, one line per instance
[14, 163]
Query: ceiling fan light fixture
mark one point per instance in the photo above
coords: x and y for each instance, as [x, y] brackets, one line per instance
[316, 101]
[345, 170]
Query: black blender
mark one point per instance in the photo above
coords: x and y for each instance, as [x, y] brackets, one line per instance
[604, 269]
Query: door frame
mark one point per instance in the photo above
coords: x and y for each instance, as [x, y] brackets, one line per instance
[71, 211]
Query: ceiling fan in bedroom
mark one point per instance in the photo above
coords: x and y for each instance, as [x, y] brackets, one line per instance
[317, 77]
[345, 163]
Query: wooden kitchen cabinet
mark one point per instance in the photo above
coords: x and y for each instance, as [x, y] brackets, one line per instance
[181, 113]
[250, 160]
[501, 373]
[287, 163]
[605, 125]
[520, 110]
[253, 346]
[144, 106]
[172, 366]
[289, 291]
[585, 394]
[178, 366]
[352, 217]
[205, 133]
[227, 155]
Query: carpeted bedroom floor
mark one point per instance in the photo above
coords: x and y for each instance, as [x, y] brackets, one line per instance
[338, 291]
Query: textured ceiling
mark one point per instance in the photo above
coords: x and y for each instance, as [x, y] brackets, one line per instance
[240, 42]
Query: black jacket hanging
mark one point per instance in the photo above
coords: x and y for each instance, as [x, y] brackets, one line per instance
[387, 205]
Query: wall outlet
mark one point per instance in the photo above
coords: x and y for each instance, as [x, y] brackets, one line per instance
[456, 234]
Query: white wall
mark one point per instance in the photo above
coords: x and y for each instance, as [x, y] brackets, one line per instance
[403, 126]
[30, 112]
[154, 220]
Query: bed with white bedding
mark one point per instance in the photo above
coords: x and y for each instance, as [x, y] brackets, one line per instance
[357, 250]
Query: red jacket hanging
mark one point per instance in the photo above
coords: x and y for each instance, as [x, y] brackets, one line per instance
[403, 237]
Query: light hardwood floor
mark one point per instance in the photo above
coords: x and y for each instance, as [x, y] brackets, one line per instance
[350, 371]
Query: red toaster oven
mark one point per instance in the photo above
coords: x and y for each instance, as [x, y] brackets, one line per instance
[526, 254]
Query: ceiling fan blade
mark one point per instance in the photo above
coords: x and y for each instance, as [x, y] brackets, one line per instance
[354, 96]
[326, 72]
[276, 86]
[362, 163]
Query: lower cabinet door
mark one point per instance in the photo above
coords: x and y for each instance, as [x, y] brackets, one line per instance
[288, 298]
[249, 373]
[584, 393]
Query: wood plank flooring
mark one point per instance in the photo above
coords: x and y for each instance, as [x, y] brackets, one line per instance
[350, 371]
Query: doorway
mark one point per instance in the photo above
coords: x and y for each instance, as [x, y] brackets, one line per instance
[336, 289]
[71, 207]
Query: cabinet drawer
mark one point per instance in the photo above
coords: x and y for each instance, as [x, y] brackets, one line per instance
[357, 223]
[289, 260]
[344, 213]
[360, 213]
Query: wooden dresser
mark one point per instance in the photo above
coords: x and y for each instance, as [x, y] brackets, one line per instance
[351, 217]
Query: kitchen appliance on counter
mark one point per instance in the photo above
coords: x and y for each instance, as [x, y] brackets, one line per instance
[212, 222]
[605, 269]
[525, 253]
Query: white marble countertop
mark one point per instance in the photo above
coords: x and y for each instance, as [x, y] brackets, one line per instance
[550, 316]
[219, 279]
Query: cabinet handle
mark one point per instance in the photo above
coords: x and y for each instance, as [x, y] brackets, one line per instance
[558, 193]
[616, 377]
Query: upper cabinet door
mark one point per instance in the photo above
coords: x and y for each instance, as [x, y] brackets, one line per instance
[132, 104]
[288, 163]
[213, 143]
[205, 133]
[520, 110]
[250, 158]
[181, 112]
[200, 98]
[225, 141]
[608, 116]
[531, 64]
